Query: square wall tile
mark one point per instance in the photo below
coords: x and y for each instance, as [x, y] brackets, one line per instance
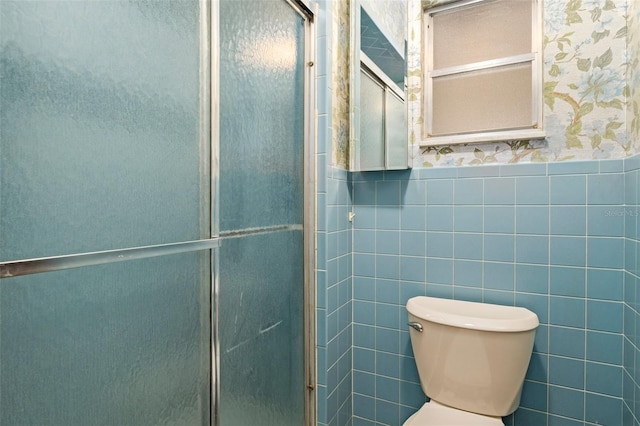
[364, 265]
[605, 188]
[467, 273]
[388, 193]
[364, 241]
[603, 410]
[568, 190]
[532, 249]
[387, 412]
[567, 281]
[413, 243]
[604, 347]
[467, 218]
[605, 252]
[387, 315]
[387, 340]
[568, 342]
[364, 360]
[604, 378]
[568, 220]
[440, 244]
[387, 291]
[568, 251]
[532, 278]
[499, 190]
[605, 221]
[387, 267]
[499, 276]
[468, 191]
[388, 364]
[467, 246]
[412, 268]
[532, 220]
[364, 288]
[412, 218]
[604, 316]
[364, 383]
[388, 218]
[532, 190]
[413, 191]
[439, 218]
[440, 191]
[499, 247]
[566, 372]
[387, 242]
[499, 219]
[439, 271]
[567, 311]
[387, 389]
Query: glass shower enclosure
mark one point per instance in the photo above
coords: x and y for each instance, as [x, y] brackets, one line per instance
[153, 229]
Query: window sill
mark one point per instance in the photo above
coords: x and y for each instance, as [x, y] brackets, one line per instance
[502, 136]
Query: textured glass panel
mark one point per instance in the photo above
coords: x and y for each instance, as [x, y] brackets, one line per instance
[261, 114]
[261, 181]
[261, 334]
[371, 123]
[121, 344]
[99, 119]
[396, 132]
[498, 98]
[481, 31]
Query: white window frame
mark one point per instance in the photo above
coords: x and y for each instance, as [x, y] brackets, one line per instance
[536, 131]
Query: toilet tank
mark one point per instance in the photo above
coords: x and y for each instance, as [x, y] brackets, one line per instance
[471, 356]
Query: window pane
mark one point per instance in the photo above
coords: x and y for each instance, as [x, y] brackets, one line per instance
[480, 32]
[371, 123]
[493, 99]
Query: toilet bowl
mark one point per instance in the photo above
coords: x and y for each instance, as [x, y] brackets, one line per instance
[471, 358]
[435, 414]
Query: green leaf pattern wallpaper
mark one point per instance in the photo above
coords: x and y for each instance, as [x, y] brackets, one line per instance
[590, 89]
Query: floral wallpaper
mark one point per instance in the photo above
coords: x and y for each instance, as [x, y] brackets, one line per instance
[591, 89]
[340, 84]
[633, 76]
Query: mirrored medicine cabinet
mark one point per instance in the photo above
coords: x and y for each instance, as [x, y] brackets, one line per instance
[377, 70]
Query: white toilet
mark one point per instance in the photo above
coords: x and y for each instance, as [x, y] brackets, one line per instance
[471, 358]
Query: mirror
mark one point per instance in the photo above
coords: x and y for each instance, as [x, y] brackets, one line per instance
[378, 112]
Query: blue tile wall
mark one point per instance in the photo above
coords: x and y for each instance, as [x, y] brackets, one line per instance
[335, 242]
[553, 238]
[629, 293]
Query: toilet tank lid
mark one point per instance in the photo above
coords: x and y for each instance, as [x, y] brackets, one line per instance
[472, 315]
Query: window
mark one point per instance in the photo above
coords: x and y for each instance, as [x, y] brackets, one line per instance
[483, 79]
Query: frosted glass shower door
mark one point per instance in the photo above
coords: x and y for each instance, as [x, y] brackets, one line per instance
[261, 213]
[105, 248]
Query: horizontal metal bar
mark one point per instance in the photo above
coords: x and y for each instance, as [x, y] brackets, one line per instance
[483, 65]
[57, 263]
[261, 230]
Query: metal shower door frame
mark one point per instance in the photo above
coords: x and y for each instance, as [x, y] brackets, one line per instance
[305, 8]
